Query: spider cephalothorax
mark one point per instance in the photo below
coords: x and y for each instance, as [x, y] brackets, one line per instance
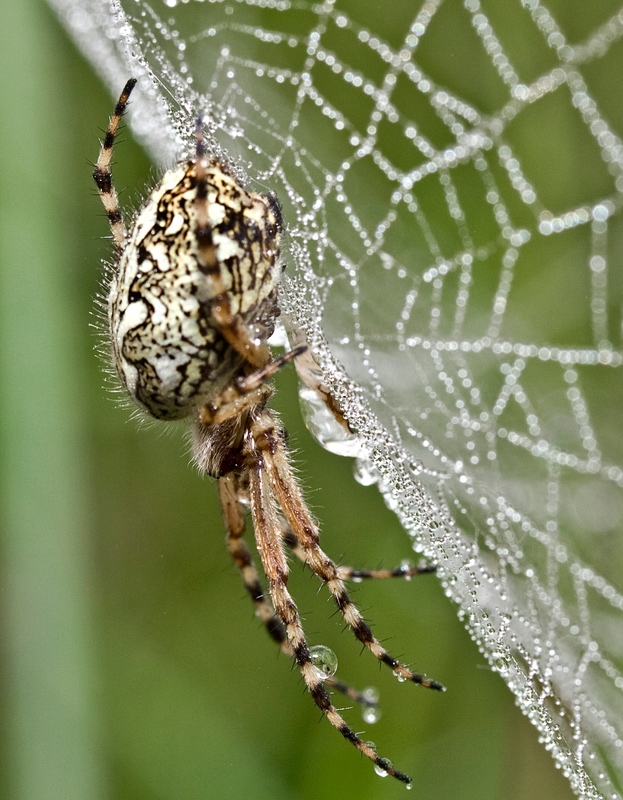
[192, 300]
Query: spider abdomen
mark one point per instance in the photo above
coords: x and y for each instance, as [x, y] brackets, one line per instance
[168, 349]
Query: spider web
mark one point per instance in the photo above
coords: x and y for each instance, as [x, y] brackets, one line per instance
[452, 181]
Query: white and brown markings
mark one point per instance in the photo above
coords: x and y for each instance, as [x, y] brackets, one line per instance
[192, 301]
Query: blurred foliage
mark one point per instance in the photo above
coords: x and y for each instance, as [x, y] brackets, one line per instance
[132, 665]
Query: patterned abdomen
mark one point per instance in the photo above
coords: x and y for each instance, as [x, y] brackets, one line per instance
[169, 352]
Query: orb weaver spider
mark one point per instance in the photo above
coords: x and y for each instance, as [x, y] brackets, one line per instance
[192, 301]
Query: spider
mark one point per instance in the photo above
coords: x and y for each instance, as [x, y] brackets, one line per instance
[192, 301]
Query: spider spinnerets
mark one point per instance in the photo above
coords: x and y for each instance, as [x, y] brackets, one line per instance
[192, 301]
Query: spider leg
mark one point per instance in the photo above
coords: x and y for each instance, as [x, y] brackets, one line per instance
[233, 330]
[102, 174]
[244, 392]
[233, 401]
[309, 372]
[406, 572]
[253, 380]
[357, 697]
[270, 547]
[353, 573]
[288, 493]
[234, 521]
[230, 496]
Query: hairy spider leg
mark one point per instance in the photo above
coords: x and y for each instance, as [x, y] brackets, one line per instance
[233, 401]
[269, 544]
[256, 378]
[245, 392]
[103, 176]
[347, 573]
[286, 489]
[235, 332]
[309, 372]
[253, 452]
[231, 495]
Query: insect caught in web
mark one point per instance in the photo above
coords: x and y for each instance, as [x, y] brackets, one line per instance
[192, 301]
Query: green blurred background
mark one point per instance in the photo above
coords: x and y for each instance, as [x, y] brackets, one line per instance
[132, 665]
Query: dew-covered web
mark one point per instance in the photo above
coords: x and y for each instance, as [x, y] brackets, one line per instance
[452, 181]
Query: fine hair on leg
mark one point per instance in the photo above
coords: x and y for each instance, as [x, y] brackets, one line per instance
[103, 176]
[270, 547]
[290, 498]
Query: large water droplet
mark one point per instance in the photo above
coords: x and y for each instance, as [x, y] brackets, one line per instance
[324, 659]
[324, 427]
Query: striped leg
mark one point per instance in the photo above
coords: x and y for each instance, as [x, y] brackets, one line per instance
[234, 520]
[245, 392]
[230, 326]
[102, 174]
[287, 491]
[352, 573]
[268, 538]
[406, 572]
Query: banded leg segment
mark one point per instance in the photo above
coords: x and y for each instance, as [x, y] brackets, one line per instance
[286, 489]
[232, 329]
[406, 572]
[102, 174]
[245, 392]
[232, 402]
[310, 373]
[230, 495]
[235, 523]
[353, 573]
[267, 533]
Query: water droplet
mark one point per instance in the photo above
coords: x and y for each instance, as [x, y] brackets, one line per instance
[383, 773]
[279, 337]
[500, 662]
[324, 427]
[371, 714]
[365, 473]
[406, 566]
[371, 693]
[324, 659]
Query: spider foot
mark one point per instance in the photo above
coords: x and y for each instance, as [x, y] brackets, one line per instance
[382, 766]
